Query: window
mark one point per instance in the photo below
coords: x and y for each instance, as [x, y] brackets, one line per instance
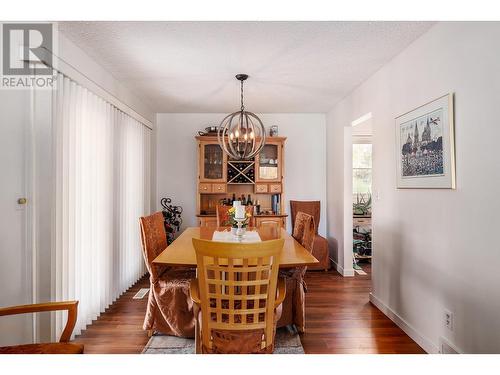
[101, 190]
[361, 168]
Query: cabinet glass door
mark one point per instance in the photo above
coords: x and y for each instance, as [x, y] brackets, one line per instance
[212, 163]
[269, 163]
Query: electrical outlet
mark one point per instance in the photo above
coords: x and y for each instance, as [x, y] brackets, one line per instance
[448, 319]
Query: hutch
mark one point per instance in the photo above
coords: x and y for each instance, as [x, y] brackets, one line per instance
[222, 178]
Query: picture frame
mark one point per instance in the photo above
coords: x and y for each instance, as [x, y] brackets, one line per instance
[425, 146]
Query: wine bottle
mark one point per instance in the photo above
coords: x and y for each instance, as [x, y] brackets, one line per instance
[234, 199]
[243, 200]
[249, 200]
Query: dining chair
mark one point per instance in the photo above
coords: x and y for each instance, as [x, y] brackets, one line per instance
[61, 347]
[223, 215]
[169, 309]
[320, 248]
[294, 303]
[238, 296]
[270, 227]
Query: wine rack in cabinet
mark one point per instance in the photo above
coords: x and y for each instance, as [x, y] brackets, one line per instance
[241, 172]
[222, 179]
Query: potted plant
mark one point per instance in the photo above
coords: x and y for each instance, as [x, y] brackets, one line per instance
[362, 206]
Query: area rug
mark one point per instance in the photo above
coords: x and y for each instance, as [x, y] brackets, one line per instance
[287, 341]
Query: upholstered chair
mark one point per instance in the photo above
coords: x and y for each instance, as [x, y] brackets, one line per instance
[61, 347]
[169, 309]
[238, 296]
[223, 216]
[320, 246]
[293, 311]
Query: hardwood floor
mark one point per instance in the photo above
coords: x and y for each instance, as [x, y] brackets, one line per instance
[119, 329]
[340, 319]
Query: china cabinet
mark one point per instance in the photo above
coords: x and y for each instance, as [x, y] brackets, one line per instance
[260, 179]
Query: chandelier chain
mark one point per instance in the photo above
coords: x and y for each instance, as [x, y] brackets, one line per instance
[242, 105]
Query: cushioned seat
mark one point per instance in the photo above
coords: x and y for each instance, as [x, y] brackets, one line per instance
[320, 248]
[321, 253]
[169, 309]
[294, 304]
[45, 348]
[61, 347]
[238, 296]
[237, 341]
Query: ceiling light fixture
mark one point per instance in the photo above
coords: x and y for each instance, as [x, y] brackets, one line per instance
[241, 134]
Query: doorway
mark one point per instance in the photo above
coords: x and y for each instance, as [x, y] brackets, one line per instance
[358, 196]
[362, 204]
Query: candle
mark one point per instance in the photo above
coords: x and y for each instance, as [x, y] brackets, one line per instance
[240, 212]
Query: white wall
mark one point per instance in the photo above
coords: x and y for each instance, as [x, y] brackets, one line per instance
[434, 249]
[305, 158]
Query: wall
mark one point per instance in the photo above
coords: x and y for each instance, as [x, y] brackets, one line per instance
[433, 249]
[305, 161]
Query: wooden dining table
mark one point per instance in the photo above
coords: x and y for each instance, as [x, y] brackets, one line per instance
[181, 252]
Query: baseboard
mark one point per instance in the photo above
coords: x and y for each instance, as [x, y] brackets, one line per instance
[341, 270]
[424, 343]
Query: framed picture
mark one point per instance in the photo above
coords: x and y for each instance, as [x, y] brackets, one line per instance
[425, 146]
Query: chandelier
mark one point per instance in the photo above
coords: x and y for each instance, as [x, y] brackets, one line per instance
[241, 134]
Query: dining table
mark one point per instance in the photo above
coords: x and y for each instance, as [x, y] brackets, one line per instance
[181, 251]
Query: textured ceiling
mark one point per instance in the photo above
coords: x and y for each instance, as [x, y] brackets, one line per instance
[293, 66]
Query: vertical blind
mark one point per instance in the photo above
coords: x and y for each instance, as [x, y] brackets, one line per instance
[102, 187]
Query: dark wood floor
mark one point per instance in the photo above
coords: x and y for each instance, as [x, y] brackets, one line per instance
[340, 319]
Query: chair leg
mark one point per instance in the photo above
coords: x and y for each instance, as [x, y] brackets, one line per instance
[197, 336]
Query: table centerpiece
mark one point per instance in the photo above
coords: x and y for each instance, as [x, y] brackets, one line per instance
[238, 219]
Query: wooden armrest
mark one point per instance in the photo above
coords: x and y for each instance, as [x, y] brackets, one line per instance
[281, 292]
[194, 291]
[71, 306]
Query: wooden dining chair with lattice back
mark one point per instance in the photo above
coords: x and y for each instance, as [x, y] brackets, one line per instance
[236, 292]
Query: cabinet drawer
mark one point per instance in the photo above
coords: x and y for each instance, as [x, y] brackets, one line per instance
[205, 188]
[260, 188]
[218, 188]
[275, 188]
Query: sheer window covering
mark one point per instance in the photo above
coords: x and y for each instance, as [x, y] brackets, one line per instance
[102, 187]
